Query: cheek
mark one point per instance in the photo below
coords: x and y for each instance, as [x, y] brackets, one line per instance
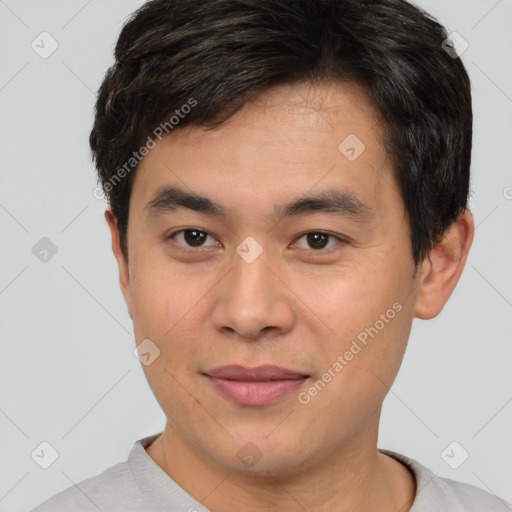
[162, 297]
[368, 315]
[160, 315]
[357, 375]
[348, 300]
[165, 315]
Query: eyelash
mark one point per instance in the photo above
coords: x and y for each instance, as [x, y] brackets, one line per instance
[315, 251]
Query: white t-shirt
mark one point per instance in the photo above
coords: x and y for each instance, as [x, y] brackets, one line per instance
[139, 484]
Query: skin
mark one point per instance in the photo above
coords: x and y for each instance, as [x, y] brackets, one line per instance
[295, 306]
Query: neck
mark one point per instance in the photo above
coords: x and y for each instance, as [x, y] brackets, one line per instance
[355, 477]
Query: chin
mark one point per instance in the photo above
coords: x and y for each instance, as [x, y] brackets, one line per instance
[260, 456]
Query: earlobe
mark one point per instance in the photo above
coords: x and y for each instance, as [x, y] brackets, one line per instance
[124, 275]
[442, 268]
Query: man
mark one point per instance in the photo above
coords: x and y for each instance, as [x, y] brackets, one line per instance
[288, 186]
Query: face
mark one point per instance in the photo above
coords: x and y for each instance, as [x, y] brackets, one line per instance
[296, 254]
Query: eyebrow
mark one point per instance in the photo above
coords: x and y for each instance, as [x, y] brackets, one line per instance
[169, 198]
[328, 201]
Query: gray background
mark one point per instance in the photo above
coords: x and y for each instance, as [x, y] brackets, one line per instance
[68, 374]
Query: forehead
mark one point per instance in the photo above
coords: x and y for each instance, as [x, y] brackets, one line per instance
[289, 140]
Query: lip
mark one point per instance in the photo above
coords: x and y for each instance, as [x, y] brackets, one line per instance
[261, 385]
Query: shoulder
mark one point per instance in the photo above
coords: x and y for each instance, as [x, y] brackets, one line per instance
[472, 498]
[96, 493]
[434, 493]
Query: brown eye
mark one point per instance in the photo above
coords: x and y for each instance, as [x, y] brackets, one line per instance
[194, 238]
[317, 240]
[191, 237]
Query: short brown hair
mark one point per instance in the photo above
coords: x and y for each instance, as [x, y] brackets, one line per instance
[222, 53]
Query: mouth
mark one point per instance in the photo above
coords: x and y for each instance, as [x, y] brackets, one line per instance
[262, 385]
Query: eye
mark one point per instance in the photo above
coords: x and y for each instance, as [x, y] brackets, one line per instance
[190, 237]
[317, 240]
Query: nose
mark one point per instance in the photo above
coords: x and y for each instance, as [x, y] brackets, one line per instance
[253, 301]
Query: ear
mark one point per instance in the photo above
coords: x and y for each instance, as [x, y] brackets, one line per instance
[441, 269]
[124, 275]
